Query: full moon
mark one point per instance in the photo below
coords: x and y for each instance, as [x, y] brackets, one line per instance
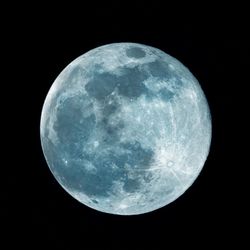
[125, 128]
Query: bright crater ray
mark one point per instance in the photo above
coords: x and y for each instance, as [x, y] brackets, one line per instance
[125, 128]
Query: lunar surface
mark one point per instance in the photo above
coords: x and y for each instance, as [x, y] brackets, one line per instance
[125, 128]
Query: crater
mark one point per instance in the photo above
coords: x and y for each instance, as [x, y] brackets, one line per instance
[135, 52]
[170, 163]
[94, 201]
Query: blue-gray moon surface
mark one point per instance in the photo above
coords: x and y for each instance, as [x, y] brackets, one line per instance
[125, 128]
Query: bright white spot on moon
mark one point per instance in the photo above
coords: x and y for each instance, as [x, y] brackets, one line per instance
[170, 164]
[125, 129]
[171, 67]
[123, 206]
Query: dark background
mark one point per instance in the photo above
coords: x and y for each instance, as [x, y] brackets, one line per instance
[42, 40]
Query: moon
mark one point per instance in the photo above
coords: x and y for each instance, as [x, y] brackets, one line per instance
[125, 128]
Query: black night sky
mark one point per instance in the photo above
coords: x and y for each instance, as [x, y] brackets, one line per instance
[43, 40]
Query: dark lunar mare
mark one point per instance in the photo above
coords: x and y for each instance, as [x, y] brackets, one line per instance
[74, 131]
[137, 158]
[161, 70]
[135, 52]
[101, 85]
[72, 127]
[100, 182]
[129, 84]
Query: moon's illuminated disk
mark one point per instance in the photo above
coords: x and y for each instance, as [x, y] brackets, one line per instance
[125, 128]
